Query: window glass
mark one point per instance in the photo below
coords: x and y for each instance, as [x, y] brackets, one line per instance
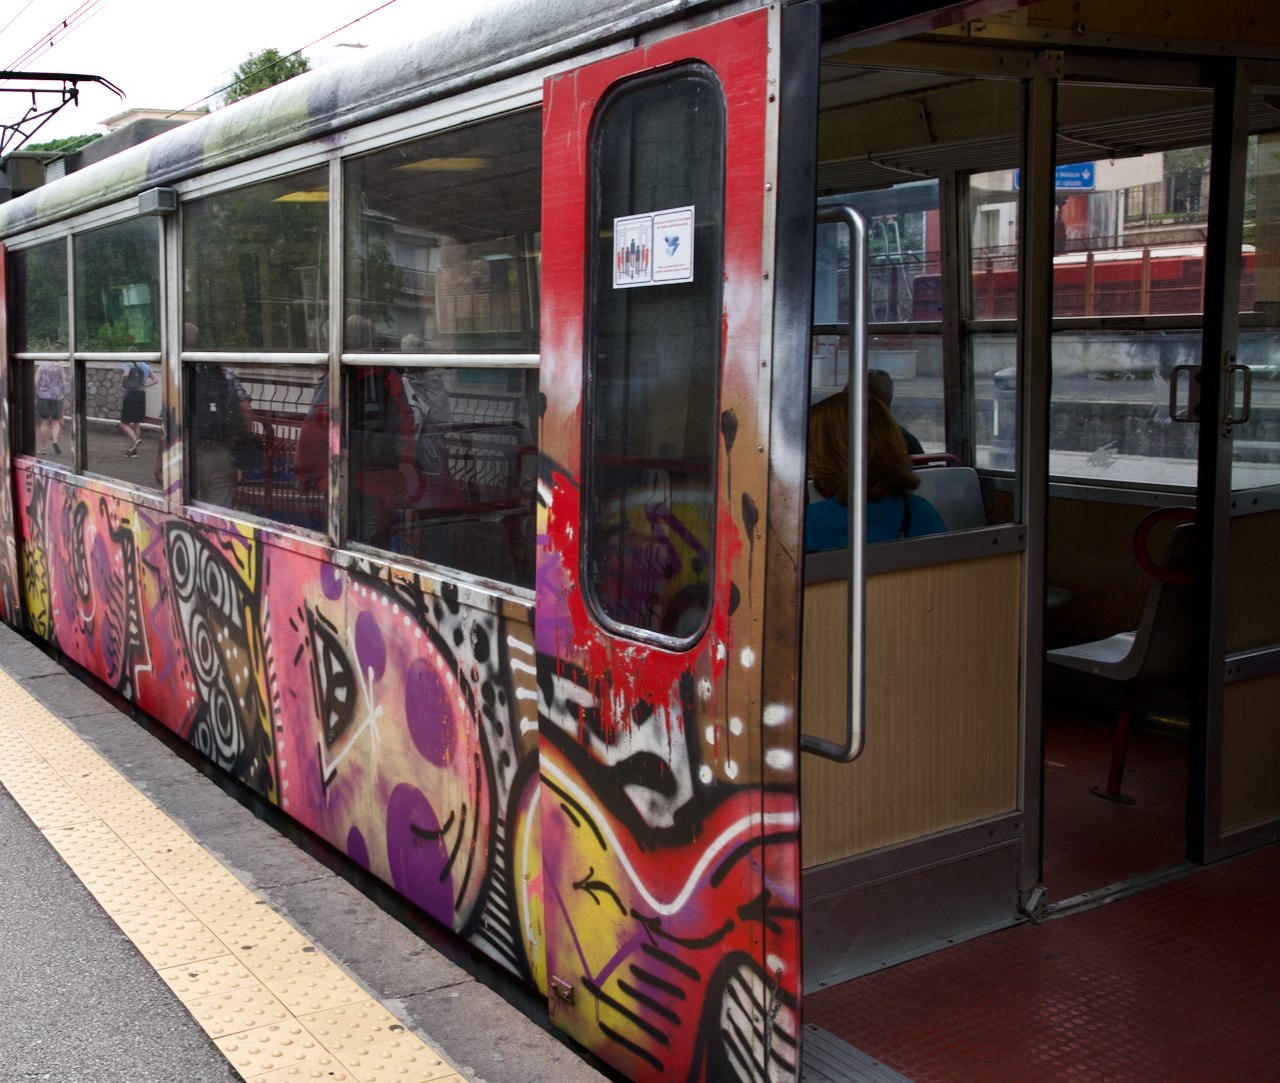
[256, 272]
[46, 430]
[904, 256]
[993, 244]
[1109, 418]
[993, 360]
[1129, 235]
[654, 357]
[118, 288]
[1256, 444]
[39, 309]
[118, 311]
[258, 440]
[443, 466]
[443, 242]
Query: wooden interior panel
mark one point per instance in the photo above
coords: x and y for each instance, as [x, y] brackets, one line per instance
[1253, 591]
[1251, 751]
[1091, 555]
[942, 706]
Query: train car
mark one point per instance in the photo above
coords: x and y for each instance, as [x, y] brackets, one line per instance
[426, 440]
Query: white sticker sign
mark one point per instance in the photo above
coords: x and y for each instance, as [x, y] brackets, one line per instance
[653, 249]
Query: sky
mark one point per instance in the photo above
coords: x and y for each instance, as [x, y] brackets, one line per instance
[167, 55]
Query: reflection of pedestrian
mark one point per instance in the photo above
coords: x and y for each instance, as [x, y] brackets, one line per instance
[137, 378]
[51, 389]
[222, 428]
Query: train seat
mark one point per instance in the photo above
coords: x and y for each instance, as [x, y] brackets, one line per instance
[957, 494]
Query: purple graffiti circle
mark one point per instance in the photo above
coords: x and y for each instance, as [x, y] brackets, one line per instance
[428, 712]
[371, 648]
[356, 848]
[416, 858]
[330, 582]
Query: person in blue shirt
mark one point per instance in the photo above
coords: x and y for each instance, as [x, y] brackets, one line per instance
[893, 510]
[137, 378]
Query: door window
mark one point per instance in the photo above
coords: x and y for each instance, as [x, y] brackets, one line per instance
[653, 360]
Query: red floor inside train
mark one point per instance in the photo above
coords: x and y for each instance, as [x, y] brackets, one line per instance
[1177, 983]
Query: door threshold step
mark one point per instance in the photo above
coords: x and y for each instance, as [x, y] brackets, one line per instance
[1122, 889]
[824, 1058]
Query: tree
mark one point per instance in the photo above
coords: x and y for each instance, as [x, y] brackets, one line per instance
[264, 69]
[68, 144]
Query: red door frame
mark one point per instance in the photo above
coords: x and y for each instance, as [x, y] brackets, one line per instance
[672, 950]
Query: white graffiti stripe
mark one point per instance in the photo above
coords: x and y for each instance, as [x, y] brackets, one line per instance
[522, 667]
[729, 836]
[528, 725]
[519, 644]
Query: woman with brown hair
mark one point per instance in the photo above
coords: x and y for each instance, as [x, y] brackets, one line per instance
[893, 510]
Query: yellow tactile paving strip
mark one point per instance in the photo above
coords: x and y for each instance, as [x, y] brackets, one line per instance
[272, 1001]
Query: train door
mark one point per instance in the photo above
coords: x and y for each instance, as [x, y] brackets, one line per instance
[930, 835]
[668, 809]
[1234, 787]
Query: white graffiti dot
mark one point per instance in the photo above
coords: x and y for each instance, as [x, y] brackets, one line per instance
[779, 758]
[384, 600]
[711, 735]
[748, 657]
[417, 632]
[775, 714]
[407, 622]
[704, 688]
[720, 651]
[731, 768]
[735, 725]
[775, 965]
[704, 773]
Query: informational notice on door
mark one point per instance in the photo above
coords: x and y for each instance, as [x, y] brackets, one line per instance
[653, 249]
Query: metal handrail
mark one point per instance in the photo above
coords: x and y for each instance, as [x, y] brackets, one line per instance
[856, 329]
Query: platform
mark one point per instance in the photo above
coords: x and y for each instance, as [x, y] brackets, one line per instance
[155, 929]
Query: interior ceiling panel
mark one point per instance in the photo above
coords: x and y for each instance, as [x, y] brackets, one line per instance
[1082, 140]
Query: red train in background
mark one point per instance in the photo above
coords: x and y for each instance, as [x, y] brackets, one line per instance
[1124, 282]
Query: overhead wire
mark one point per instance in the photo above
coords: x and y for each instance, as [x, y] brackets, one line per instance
[60, 31]
[16, 17]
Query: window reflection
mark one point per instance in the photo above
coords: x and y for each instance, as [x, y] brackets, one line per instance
[118, 287]
[249, 445]
[443, 466]
[44, 391]
[39, 298]
[256, 272]
[443, 242]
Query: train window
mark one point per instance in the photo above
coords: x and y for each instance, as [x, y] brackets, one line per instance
[256, 265]
[41, 342]
[117, 302]
[40, 316]
[443, 242]
[904, 284]
[259, 440]
[653, 360]
[1256, 447]
[993, 295]
[443, 466]
[1129, 243]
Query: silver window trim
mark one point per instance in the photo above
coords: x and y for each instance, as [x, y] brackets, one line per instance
[230, 357]
[444, 360]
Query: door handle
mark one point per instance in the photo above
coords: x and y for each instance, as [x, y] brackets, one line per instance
[1192, 413]
[856, 330]
[1246, 401]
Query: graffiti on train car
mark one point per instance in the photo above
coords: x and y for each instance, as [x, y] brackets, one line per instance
[395, 717]
[679, 869]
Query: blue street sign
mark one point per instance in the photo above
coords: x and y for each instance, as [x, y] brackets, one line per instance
[1080, 177]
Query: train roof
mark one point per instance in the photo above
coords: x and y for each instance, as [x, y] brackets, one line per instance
[476, 48]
